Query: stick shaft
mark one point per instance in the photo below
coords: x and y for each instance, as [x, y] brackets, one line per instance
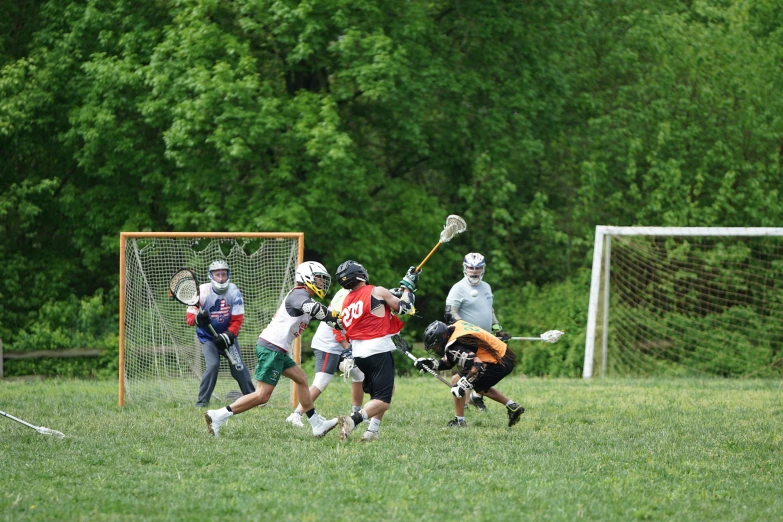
[20, 421]
[526, 339]
[418, 268]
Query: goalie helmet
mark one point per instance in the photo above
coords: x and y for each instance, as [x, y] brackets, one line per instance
[435, 337]
[219, 287]
[314, 276]
[473, 267]
[350, 272]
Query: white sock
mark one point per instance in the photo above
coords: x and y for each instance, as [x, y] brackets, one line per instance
[374, 424]
[510, 402]
[354, 409]
[459, 418]
[364, 414]
[298, 413]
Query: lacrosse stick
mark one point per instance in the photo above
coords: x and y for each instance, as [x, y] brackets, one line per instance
[454, 225]
[39, 429]
[185, 289]
[402, 346]
[551, 336]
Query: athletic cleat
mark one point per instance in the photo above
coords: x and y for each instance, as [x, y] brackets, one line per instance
[346, 427]
[477, 401]
[214, 421]
[369, 436]
[295, 419]
[457, 423]
[515, 411]
[321, 426]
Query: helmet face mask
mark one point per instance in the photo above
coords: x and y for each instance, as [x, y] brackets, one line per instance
[473, 267]
[219, 285]
[350, 273]
[435, 337]
[314, 276]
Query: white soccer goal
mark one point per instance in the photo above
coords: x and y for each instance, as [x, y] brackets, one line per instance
[686, 301]
[160, 356]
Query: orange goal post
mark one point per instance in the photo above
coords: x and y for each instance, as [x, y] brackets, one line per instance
[159, 355]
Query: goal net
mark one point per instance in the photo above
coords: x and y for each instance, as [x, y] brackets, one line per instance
[686, 301]
[160, 356]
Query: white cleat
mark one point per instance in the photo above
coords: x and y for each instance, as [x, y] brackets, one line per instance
[369, 436]
[346, 427]
[295, 419]
[214, 421]
[321, 426]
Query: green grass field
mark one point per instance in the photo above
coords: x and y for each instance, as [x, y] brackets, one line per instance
[602, 450]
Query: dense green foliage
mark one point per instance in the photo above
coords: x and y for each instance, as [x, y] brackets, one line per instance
[363, 124]
[605, 450]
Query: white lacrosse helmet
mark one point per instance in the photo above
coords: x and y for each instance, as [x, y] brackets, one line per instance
[219, 288]
[474, 266]
[314, 276]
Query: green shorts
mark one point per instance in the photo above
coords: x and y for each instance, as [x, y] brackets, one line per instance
[271, 365]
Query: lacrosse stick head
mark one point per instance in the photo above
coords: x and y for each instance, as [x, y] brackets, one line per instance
[184, 287]
[552, 336]
[454, 225]
[54, 433]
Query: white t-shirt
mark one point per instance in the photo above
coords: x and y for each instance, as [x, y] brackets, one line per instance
[472, 303]
[324, 337]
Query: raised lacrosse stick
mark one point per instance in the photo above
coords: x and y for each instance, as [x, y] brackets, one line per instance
[551, 336]
[402, 346]
[39, 429]
[454, 225]
[185, 289]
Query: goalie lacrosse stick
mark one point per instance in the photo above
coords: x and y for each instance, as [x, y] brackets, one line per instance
[402, 346]
[454, 225]
[551, 336]
[185, 289]
[39, 429]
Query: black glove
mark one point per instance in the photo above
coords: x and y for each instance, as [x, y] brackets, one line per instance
[500, 333]
[202, 318]
[411, 279]
[459, 389]
[333, 320]
[224, 340]
[423, 363]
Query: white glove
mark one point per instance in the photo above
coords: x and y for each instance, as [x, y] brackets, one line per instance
[422, 363]
[346, 365]
[459, 389]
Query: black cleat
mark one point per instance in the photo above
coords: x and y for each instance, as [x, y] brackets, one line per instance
[457, 423]
[515, 411]
[477, 401]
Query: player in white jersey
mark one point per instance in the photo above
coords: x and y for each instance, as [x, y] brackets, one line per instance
[288, 323]
[222, 307]
[329, 345]
[470, 299]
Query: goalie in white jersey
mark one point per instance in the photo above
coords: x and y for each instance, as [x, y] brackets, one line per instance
[332, 351]
[222, 307]
[470, 299]
[288, 323]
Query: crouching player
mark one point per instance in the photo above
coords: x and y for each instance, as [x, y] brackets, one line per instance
[483, 359]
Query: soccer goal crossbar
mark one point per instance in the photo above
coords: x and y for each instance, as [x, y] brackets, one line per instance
[671, 290]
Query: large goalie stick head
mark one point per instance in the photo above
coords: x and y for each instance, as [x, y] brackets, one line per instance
[184, 287]
[454, 225]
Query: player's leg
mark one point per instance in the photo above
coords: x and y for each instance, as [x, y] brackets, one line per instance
[378, 370]
[210, 375]
[485, 385]
[320, 425]
[325, 366]
[242, 376]
[459, 407]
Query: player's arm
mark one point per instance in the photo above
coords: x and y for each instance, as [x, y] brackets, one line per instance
[451, 313]
[195, 318]
[237, 314]
[320, 312]
[402, 305]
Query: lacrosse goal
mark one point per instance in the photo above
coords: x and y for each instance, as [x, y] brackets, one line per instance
[686, 301]
[160, 356]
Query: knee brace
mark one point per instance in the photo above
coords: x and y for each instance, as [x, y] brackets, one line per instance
[321, 380]
[356, 375]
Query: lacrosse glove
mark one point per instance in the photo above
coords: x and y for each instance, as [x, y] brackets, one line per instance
[462, 386]
[202, 318]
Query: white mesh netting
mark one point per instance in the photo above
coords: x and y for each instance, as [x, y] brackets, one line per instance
[163, 358]
[696, 306]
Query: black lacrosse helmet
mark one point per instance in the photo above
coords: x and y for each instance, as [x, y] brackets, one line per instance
[350, 272]
[435, 337]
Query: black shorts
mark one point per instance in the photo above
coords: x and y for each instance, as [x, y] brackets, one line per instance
[378, 372]
[494, 374]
